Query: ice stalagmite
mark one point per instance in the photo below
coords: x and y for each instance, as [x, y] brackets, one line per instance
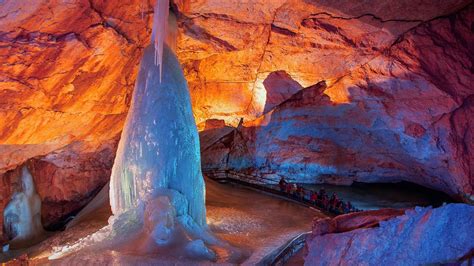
[22, 215]
[159, 148]
[157, 192]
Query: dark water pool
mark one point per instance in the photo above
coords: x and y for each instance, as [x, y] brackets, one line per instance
[382, 195]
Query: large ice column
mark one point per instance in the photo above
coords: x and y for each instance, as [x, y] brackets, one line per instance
[157, 192]
[22, 215]
[159, 147]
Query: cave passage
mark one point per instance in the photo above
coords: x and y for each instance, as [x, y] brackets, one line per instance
[195, 132]
[373, 196]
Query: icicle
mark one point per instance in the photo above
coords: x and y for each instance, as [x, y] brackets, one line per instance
[160, 24]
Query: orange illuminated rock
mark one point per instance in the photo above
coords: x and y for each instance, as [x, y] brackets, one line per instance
[402, 116]
[68, 69]
[67, 73]
[228, 48]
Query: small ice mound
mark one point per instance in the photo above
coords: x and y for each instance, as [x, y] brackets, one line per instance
[22, 215]
[159, 220]
[160, 229]
[197, 250]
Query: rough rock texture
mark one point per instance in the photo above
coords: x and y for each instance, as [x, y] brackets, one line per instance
[228, 48]
[213, 124]
[65, 180]
[66, 75]
[394, 118]
[352, 221]
[279, 86]
[421, 236]
[67, 70]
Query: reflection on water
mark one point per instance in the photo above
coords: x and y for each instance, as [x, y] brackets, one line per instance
[376, 196]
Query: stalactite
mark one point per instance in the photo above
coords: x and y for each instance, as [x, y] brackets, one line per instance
[160, 25]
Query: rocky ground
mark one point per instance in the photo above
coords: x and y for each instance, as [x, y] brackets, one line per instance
[418, 237]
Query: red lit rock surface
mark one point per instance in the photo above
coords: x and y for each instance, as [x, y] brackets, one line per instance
[65, 179]
[228, 48]
[352, 221]
[66, 75]
[398, 85]
[403, 115]
[279, 86]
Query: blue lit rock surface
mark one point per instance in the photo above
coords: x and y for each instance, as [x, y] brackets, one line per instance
[421, 236]
[70, 70]
[395, 118]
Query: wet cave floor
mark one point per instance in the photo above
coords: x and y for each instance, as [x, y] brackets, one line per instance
[252, 222]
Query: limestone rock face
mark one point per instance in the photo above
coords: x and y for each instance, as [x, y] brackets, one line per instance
[65, 179]
[66, 75]
[353, 221]
[228, 48]
[397, 93]
[394, 118]
[420, 236]
[279, 86]
[67, 68]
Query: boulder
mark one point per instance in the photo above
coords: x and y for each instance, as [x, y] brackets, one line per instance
[420, 236]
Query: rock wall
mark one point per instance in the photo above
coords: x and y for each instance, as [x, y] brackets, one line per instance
[421, 236]
[394, 118]
[68, 69]
[65, 180]
[228, 48]
[66, 75]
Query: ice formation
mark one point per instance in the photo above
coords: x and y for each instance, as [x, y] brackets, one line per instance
[159, 147]
[157, 192]
[160, 26]
[22, 215]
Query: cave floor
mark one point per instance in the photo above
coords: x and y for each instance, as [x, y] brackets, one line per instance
[253, 223]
